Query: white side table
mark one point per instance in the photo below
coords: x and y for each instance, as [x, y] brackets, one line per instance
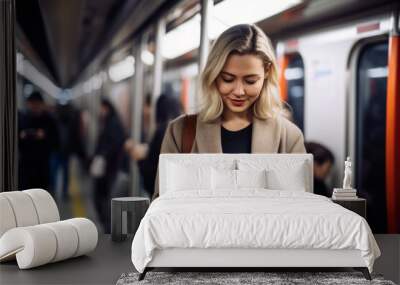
[134, 208]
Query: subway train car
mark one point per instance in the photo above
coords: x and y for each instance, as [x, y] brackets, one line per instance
[96, 70]
[334, 67]
[333, 61]
[333, 74]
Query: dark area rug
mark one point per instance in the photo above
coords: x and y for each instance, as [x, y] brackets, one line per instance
[228, 278]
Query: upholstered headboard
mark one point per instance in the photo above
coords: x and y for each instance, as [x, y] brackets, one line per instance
[285, 168]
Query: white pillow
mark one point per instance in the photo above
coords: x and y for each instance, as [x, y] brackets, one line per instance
[235, 179]
[223, 179]
[294, 179]
[251, 178]
[188, 177]
[281, 173]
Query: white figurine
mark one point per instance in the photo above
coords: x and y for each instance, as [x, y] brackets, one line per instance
[347, 174]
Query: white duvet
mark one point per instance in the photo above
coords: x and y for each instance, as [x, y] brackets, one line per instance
[253, 218]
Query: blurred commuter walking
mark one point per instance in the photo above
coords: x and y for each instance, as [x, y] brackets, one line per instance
[38, 139]
[69, 126]
[168, 108]
[105, 164]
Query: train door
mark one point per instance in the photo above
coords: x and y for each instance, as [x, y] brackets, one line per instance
[371, 74]
[292, 87]
[294, 75]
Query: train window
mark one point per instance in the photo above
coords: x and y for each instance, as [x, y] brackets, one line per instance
[371, 131]
[294, 75]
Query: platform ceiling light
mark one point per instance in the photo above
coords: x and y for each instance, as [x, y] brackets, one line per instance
[122, 70]
[147, 57]
[93, 83]
[104, 76]
[183, 39]
[26, 69]
[232, 12]
[96, 81]
[64, 96]
[225, 14]
[28, 89]
[87, 88]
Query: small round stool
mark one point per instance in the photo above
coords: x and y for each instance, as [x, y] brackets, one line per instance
[126, 214]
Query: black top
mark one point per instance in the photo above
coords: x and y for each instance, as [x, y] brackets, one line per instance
[320, 188]
[34, 150]
[148, 166]
[236, 141]
[110, 143]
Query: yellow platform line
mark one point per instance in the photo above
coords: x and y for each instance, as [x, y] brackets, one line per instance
[78, 209]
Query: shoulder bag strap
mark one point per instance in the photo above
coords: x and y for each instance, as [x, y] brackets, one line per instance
[188, 133]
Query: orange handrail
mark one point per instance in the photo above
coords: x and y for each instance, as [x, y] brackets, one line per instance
[393, 136]
[185, 94]
[283, 64]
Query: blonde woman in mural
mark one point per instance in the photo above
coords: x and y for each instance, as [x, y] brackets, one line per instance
[241, 111]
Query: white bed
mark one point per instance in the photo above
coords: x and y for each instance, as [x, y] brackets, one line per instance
[241, 210]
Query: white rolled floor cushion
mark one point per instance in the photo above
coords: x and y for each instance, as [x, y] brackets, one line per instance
[31, 230]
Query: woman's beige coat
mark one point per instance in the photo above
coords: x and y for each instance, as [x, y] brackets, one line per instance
[275, 135]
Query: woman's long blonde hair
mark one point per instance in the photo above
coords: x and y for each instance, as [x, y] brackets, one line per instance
[240, 39]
